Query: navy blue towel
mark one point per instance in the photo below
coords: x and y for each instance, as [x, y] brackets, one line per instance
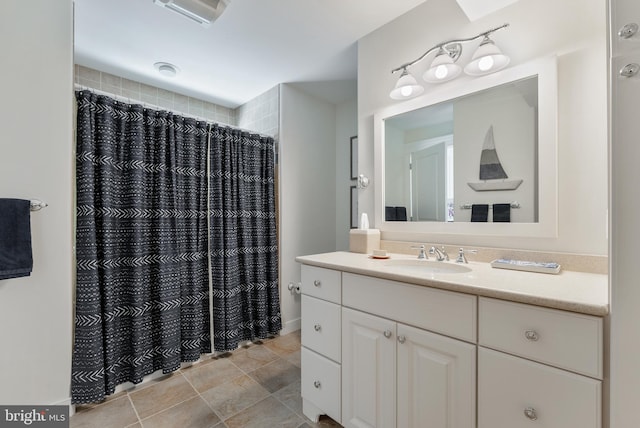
[501, 213]
[479, 212]
[16, 259]
[401, 214]
[390, 213]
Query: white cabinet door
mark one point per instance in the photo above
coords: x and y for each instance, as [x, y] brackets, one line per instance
[368, 371]
[436, 380]
[518, 393]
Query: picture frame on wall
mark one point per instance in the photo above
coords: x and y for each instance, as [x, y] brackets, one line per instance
[354, 207]
[354, 157]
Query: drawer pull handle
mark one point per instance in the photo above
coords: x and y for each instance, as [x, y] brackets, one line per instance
[531, 335]
[317, 327]
[530, 413]
[317, 283]
[401, 339]
[387, 334]
[317, 384]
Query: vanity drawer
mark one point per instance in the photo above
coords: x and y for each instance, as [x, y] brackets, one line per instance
[446, 312]
[321, 327]
[321, 283]
[320, 383]
[518, 393]
[563, 339]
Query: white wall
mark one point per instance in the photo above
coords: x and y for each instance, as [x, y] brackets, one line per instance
[36, 161]
[513, 122]
[346, 127]
[307, 188]
[575, 30]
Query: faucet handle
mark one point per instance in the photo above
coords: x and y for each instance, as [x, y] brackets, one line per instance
[422, 254]
[461, 255]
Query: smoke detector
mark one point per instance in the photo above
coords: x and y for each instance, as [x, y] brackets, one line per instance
[204, 12]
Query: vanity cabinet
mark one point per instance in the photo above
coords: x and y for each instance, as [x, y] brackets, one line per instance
[395, 374]
[538, 365]
[321, 352]
[383, 353]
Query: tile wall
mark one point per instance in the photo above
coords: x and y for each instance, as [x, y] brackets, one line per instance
[262, 114]
[140, 92]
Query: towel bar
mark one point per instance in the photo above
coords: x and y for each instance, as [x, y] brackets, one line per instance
[468, 206]
[37, 205]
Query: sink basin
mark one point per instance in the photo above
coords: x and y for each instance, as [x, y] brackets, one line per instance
[417, 266]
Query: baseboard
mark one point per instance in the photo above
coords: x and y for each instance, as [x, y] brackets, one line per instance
[290, 326]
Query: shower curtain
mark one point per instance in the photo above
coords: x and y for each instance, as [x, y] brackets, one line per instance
[244, 247]
[142, 292]
[145, 234]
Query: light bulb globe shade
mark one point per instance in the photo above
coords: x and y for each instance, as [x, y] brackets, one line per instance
[406, 87]
[442, 69]
[487, 59]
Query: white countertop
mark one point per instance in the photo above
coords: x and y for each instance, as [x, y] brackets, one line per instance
[585, 293]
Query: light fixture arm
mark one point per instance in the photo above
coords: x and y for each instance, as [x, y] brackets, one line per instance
[444, 46]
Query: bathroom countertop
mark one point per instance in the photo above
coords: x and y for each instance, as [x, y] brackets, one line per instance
[580, 292]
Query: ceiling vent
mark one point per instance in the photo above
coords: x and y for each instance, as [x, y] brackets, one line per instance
[204, 12]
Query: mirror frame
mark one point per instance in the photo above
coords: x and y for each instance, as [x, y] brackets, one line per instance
[547, 165]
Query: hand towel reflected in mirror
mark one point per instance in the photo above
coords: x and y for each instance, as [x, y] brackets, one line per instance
[479, 212]
[501, 213]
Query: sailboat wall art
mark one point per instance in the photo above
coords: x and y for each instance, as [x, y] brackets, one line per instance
[492, 175]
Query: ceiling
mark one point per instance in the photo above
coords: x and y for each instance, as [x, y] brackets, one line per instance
[253, 46]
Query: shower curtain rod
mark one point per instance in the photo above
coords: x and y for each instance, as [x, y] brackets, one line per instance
[156, 107]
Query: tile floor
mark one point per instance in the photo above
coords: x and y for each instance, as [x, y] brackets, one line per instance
[257, 386]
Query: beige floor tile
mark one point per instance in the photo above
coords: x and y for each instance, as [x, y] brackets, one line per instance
[162, 395]
[235, 396]
[324, 421]
[294, 358]
[117, 413]
[193, 413]
[267, 413]
[285, 345]
[290, 397]
[276, 375]
[89, 406]
[212, 374]
[252, 357]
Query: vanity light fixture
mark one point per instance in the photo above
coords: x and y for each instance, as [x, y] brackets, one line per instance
[406, 87]
[487, 59]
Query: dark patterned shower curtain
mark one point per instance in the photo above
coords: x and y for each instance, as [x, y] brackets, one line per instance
[243, 238]
[142, 293]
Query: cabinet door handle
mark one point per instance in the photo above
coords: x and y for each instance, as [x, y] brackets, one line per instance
[317, 327]
[531, 335]
[630, 70]
[401, 339]
[628, 31]
[387, 334]
[316, 384]
[530, 413]
[317, 283]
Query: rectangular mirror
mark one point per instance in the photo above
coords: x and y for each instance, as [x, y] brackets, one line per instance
[479, 149]
[478, 157]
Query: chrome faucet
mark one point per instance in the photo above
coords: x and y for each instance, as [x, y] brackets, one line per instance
[422, 254]
[440, 253]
